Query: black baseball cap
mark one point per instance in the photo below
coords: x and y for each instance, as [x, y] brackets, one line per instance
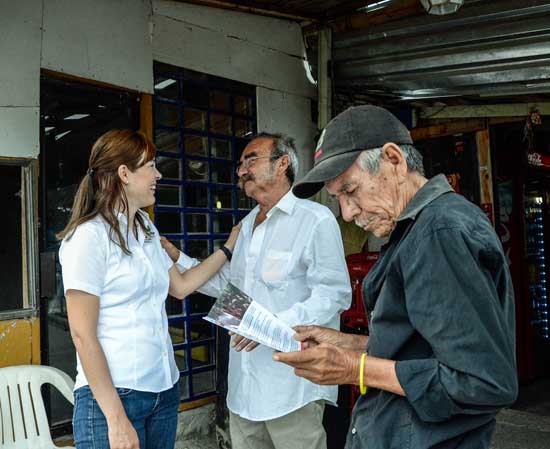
[356, 129]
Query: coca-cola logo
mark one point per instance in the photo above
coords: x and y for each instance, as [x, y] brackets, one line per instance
[534, 159]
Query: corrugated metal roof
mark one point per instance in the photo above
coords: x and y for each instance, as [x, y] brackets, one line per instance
[488, 48]
[312, 9]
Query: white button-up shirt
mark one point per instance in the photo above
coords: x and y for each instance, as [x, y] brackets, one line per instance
[293, 264]
[132, 325]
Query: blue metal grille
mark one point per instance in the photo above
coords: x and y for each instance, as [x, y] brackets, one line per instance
[202, 123]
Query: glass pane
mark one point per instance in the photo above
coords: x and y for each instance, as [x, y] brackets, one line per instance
[199, 303]
[244, 202]
[168, 141]
[221, 148]
[240, 145]
[194, 95]
[219, 100]
[201, 355]
[166, 87]
[181, 360]
[197, 248]
[222, 172]
[12, 242]
[197, 196]
[204, 382]
[223, 223]
[169, 222]
[169, 167]
[168, 195]
[220, 123]
[196, 223]
[167, 114]
[197, 170]
[174, 306]
[222, 198]
[184, 387]
[177, 332]
[201, 329]
[218, 243]
[195, 119]
[243, 128]
[243, 105]
[196, 145]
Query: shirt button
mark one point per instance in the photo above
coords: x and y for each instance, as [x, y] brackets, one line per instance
[164, 354]
[353, 431]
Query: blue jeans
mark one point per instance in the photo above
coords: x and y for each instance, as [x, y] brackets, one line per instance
[153, 415]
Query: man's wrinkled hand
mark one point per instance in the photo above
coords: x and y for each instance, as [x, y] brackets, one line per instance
[324, 364]
[311, 336]
[238, 343]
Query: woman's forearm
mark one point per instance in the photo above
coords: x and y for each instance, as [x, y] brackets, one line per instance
[99, 379]
[195, 277]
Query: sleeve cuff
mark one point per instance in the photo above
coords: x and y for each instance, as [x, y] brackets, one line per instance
[83, 287]
[420, 381]
[185, 262]
[289, 317]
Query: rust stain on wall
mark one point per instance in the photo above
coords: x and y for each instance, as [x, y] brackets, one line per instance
[19, 342]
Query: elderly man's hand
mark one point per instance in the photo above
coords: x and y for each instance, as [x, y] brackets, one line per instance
[324, 364]
[239, 343]
[312, 336]
[170, 248]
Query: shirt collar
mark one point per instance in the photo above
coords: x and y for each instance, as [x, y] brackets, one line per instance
[124, 221]
[285, 204]
[433, 189]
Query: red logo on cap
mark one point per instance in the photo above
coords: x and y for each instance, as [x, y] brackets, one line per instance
[318, 154]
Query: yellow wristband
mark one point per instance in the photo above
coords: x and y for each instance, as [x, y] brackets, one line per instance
[362, 387]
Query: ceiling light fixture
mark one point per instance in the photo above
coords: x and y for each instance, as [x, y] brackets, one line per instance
[441, 7]
[374, 6]
[76, 116]
[164, 84]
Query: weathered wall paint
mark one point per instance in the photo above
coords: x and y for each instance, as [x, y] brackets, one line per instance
[20, 342]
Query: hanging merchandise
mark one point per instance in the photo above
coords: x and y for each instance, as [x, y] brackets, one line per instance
[454, 180]
[538, 152]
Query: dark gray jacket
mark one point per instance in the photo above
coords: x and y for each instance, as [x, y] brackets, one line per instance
[441, 304]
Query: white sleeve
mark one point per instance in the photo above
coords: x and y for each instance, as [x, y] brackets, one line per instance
[83, 258]
[168, 263]
[327, 278]
[216, 283]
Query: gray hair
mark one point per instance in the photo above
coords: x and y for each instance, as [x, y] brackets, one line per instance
[283, 145]
[369, 160]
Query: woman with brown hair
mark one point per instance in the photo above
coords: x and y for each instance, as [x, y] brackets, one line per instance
[116, 278]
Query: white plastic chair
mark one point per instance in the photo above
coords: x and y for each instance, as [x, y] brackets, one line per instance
[24, 421]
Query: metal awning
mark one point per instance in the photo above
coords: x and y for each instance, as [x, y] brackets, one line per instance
[489, 48]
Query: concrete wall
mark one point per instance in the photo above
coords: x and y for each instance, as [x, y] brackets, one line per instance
[261, 51]
[19, 77]
[103, 40]
[285, 112]
[116, 42]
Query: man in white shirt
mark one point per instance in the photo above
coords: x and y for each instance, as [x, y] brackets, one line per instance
[289, 257]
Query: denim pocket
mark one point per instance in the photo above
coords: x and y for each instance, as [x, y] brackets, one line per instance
[122, 392]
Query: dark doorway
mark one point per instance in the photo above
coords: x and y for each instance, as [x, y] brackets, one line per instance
[73, 115]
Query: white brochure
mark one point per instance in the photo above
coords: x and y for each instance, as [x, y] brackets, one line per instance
[237, 312]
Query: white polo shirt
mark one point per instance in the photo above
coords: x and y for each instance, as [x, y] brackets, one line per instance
[132, 325]
[293, 264]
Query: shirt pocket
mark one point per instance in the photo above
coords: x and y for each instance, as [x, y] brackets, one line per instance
[275, 267]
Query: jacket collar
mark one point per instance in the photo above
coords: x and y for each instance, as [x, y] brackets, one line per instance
[433, 189]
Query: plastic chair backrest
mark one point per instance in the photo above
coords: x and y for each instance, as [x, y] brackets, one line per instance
[24, 423]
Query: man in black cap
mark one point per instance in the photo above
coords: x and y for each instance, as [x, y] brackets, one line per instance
[440, 359]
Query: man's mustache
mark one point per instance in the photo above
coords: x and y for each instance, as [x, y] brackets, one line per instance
[244, 178]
